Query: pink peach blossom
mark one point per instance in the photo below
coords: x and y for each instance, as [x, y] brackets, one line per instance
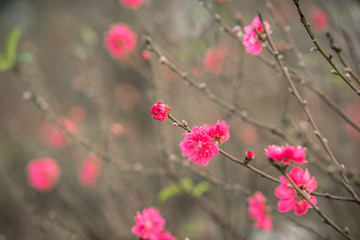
[120, 41]
[219, 131]
[198, 146]
[258, 211]
[319, 20]
[287, 154]
[289, 198]
[250, 39]
[55, 135]
[90, 170]
[43, 173]
[149, 224]
[134, 4]
[160, 111]
[214, 59]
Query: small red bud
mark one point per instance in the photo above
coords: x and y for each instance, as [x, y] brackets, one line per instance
[249, 156]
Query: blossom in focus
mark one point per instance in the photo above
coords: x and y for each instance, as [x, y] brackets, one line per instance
[319, 20]
[214, 59]
[290, 198]
[120, 41]
[43, 173]
[198, 146]
[90, 170]
[250, 39]
[258, 211]
[285, 155]
[133, 4]
[160, 111]
[219, 131]
[149, 224]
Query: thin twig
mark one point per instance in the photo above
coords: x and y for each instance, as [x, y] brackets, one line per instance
[279, 58]
[321, 50]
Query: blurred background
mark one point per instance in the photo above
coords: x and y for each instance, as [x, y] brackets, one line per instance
[64, 75]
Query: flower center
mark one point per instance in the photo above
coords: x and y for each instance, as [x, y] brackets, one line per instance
[304, 189]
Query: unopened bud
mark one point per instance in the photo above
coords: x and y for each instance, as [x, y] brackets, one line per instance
[333, 71]
[27, 96]
[347, 75]
[249, 156]
[313, 49]
[163, 60]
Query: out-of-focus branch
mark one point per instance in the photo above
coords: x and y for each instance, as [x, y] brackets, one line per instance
[338, 51]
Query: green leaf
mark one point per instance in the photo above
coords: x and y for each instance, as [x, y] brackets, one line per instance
[201, 188]
[174, 190]
[8, 58]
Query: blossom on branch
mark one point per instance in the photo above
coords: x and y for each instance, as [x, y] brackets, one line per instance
[120, 41]
[250, 39]
[290, 198]
[160, 111]
[287, 154]
[259, 212]
[150, 225]
[198, 146]
[43, 173]
[219, 131]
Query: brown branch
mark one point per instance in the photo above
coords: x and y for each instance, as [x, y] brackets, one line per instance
[321, 50]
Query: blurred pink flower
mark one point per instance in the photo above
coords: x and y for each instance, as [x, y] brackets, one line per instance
[319, 20]
[145, 54]
[43, 173]
[90, 170]
[214, 59]
[120, 41]
[54, 135]
[164, 236]
[285, 155]
[160, 111]
[77, 114]
[250, 39]
[134, 4]
[198, 146]
[248, 135]
[258, 211]
[117, 129]
[149, 224]
[289, 198]
[219, 131]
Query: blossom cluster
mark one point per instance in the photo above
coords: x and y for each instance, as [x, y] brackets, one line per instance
[285, 155]
[259, 212]
[250, 39]
[201, 144]
[150, 226]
